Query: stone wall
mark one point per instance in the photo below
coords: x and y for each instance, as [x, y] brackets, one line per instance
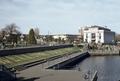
[67, 64]
[32, 49]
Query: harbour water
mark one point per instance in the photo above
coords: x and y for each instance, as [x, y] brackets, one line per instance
[108, 67]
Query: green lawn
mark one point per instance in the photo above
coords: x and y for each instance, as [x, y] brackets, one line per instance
[15, 60]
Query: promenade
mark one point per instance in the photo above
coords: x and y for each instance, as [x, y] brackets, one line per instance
[52, 75]
[40, 73]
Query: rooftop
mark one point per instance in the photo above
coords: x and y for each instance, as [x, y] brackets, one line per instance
[99, 27]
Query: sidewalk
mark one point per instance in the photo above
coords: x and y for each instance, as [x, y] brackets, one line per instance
[53, 75]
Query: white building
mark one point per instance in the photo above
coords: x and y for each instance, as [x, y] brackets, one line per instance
[66, 37]
[98, 34]
[61, 36]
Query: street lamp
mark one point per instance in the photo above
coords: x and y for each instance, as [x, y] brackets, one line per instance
[3, 43]
[22, 37]
[14, 38]
[44, 38]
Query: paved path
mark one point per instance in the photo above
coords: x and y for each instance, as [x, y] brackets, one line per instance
[53, 75]
[39, 73]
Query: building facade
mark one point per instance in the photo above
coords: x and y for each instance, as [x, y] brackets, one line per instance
[66, 37]
[98, 34]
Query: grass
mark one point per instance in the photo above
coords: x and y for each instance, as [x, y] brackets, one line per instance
[15, 60]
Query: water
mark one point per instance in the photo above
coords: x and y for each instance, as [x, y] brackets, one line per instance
[108, 67]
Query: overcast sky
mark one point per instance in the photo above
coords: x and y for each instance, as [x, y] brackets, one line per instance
[60, 16]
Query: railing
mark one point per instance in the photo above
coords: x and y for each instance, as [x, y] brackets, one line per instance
[95, 76]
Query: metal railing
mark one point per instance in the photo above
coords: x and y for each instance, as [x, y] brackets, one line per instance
[95, 76]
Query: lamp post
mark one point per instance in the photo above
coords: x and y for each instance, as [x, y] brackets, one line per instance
[22, 38]
[44, 38]
[14, 38]
[3, 43]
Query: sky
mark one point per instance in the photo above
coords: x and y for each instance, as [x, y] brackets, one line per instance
[60, 16]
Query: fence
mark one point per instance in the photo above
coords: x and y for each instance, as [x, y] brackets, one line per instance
[95, 77]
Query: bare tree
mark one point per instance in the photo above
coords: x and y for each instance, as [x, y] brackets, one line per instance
[13, 31]
[2, 34]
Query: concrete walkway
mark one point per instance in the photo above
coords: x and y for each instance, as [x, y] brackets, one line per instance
[52, 75]
[39, 73]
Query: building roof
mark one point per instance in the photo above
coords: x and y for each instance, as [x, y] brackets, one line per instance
[66, 35]
[99, 27]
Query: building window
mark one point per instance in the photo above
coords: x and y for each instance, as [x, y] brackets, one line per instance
[93, 41]
[93, 35]
[99, 41]
[99, 35]
[86, 35]
[86, 40]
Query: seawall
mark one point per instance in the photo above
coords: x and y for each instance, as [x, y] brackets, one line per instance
[104, 52]
[71, 62]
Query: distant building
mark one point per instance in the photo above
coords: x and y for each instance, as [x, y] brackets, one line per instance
[81, 34]
[66, 37]
[98, 34]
